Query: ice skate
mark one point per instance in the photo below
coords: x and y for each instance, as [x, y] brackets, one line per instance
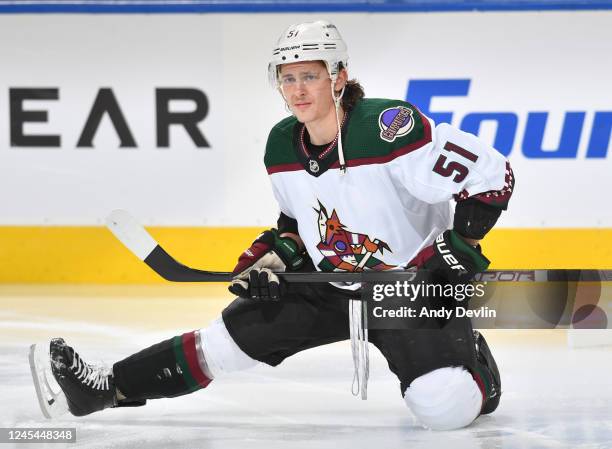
[50, 396]
[86, 388]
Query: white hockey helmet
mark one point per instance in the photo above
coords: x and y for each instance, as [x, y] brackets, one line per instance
[309, 41]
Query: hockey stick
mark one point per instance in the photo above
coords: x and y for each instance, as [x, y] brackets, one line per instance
[136, 238]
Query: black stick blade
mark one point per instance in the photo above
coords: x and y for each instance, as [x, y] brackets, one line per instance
[171, 270]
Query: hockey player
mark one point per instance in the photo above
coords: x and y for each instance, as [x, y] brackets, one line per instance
[362, 184]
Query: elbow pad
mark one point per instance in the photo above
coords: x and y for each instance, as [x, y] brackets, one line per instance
[476, 215]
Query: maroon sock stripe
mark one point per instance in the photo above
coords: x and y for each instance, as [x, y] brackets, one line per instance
[481, 386]
[191, 356]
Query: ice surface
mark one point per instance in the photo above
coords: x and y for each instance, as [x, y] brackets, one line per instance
[553, 396]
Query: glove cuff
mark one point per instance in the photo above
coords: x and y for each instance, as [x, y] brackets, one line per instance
[481, 263]
[285, 248]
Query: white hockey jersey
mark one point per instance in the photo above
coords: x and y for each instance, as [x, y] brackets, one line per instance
[395, 197]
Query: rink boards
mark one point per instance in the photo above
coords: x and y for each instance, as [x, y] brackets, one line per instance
[549, 111]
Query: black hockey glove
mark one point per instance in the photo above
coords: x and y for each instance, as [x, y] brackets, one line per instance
[254, 274]
[451, 259]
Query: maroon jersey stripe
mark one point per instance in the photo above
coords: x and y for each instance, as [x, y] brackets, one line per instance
[284, 167]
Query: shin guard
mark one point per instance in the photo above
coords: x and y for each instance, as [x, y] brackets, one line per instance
[171, 368]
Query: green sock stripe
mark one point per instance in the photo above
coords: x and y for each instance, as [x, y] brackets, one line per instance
[177, 345]
[485, 380]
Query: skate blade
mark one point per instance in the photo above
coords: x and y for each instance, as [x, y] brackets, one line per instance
[51, 399]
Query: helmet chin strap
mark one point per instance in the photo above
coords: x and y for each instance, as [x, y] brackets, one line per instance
[282, 94]
[357, 309]
[337, 101]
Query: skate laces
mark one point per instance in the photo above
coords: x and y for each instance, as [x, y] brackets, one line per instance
[94, 376]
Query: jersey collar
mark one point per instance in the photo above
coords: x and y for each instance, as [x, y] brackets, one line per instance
[316, 163]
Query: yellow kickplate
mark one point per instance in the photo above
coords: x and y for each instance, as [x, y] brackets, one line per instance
[75, 254]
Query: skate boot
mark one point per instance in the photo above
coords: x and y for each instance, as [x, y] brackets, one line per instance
[488, 373]
[87, 388]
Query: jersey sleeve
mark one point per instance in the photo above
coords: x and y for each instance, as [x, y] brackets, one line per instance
[455, 164]
[278, 154]
[281, 201]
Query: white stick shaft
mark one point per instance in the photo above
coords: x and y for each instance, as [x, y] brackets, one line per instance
[130, 233]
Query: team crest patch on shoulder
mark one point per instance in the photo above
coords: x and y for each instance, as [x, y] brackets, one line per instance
[395, 122]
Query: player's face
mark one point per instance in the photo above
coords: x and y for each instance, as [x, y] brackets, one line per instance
[306, 87]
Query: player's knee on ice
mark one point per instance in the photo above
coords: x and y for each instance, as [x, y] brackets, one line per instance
[445, 399]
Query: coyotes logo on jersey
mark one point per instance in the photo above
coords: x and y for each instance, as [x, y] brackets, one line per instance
[344, 250]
